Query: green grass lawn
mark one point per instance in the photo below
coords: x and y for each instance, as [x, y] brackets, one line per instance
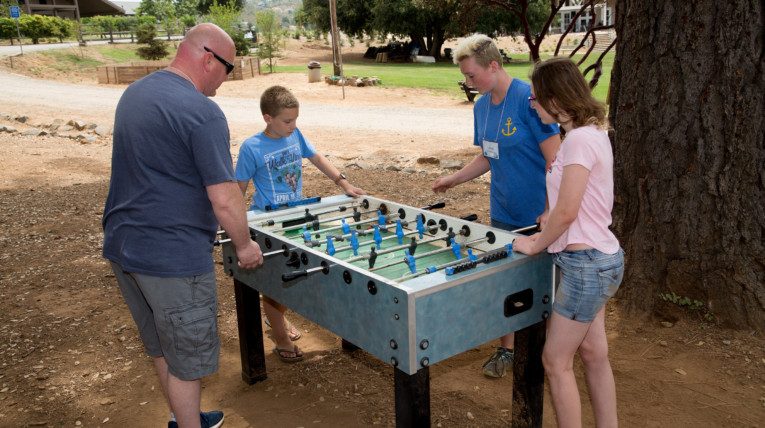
[81, 58]
[443, 77]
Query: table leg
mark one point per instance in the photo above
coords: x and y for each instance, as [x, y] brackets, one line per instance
[528, 376]
[348, 346]
[250, 333]
[412, 398]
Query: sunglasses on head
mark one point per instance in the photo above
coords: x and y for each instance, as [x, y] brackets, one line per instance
[229, 66]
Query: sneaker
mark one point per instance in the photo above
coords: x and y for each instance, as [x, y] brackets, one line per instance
[497, 365]
[212, 419]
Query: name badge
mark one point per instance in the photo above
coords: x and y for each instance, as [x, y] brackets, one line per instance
[490, 149]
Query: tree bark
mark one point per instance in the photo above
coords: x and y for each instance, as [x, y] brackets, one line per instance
[687, 111]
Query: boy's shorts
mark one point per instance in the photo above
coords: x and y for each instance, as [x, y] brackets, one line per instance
[176, 318]
[588, 279]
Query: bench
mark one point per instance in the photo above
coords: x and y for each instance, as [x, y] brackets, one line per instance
[505, 57]
[469, 91]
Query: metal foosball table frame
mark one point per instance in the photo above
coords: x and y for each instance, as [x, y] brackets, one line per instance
[410, 321]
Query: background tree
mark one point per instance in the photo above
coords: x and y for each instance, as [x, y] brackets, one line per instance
[156, 49]
[271, 36]
[205, 5]
[687, 109]
[34, 26]
[8, 29]
[228, 17]
[5, 7]
[61, 28]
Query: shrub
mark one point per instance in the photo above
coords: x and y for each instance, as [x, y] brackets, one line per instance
[156, 49]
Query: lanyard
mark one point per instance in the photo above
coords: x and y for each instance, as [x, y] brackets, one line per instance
[501, 115]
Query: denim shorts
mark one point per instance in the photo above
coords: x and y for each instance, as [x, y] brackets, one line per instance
[588, 279]
[177, 318]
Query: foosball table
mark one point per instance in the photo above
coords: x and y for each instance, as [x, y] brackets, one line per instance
[407, 285]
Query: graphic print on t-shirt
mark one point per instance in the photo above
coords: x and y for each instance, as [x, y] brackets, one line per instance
[285, 171]
[507, 131]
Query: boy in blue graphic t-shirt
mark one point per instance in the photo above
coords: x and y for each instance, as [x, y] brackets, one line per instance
[273, 160]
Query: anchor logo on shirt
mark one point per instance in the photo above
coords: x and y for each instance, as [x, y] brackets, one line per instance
[508, 125]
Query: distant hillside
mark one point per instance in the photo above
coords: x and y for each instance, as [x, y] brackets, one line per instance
[284, 9]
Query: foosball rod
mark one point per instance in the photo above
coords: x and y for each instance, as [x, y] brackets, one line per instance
[308, 216]
[392, 236]
[502, 252]
[315, 222]
[396, 248]
[371, 220]
[386, 229]
[429, 253]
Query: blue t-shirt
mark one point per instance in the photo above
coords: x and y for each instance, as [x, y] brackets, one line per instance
[275, 167]
[518, 175]
[170, 141]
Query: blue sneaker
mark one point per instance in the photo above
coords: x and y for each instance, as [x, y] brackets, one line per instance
[212, 419]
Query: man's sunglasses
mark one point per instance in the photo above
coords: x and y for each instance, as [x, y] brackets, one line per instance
[229, 66]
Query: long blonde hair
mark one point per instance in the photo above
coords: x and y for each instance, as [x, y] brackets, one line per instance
[560, 86]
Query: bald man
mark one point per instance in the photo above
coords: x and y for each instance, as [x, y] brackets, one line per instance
[172, 184]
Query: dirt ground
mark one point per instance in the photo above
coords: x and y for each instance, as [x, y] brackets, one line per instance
[70, 354]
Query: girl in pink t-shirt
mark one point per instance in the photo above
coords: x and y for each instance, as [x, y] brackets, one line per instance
[580, 192]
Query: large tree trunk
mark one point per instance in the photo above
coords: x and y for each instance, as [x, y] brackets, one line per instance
[688, 113]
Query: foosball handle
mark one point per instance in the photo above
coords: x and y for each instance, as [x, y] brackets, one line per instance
[286, 277]
[471, 217]
[434, 206]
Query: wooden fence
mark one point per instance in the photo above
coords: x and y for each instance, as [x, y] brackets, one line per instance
[245, 67]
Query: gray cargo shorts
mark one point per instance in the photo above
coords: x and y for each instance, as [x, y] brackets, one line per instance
[177, 318]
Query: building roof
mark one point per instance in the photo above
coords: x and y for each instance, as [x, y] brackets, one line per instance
[99, 7]
[128, 6]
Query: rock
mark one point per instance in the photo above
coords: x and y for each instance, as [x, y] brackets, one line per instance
[86, 139]
[77, 124]
[64, 128]
[451, 164]
[359, 165]
[107, 401]
[55, 124]
[663, 343]
[35, 132]
[22, 119]
[103, 130]
[470, 416]
[428, 160]
[10, 130]
[410, 170]
[680, 372]
[92, 126]
[393, 168]
[667, 324]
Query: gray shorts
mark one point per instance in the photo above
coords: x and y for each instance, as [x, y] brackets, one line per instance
[177, 318]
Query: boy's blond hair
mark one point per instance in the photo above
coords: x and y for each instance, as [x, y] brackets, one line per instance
[481, 47]
[275, 99]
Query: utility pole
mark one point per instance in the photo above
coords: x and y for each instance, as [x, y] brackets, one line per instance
[335, 42]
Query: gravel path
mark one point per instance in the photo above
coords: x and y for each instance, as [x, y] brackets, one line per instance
[98, 103]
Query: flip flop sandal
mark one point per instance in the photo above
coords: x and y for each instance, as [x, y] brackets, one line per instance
[295, 350]
[297, 333]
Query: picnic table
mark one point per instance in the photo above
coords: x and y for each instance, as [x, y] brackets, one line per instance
[470, 92]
